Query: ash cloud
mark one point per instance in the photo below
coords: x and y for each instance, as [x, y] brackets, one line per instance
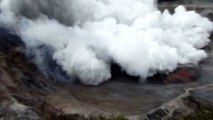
[87, 36]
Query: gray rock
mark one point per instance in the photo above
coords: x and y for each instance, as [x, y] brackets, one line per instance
[203, 95]
[17, 111]
[184, 105]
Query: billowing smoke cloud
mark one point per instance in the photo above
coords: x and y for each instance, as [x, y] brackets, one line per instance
[86, 36]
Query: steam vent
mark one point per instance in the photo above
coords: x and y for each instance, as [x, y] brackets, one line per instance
[106, 60]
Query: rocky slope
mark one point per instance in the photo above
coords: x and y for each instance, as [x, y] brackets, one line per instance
[26, 94]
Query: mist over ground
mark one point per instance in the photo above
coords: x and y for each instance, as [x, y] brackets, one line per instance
[87, 36]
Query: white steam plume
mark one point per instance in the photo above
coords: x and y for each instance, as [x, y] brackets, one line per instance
[88, 35]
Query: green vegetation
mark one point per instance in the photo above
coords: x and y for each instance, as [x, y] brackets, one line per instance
[120, 117]
[81, 117]
[204, 113]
